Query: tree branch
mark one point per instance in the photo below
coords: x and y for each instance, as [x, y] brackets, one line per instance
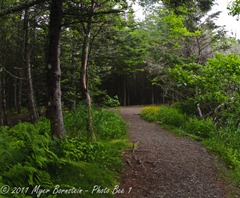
[114, 11]
[20, 7]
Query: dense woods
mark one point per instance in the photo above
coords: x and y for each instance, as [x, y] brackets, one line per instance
[61, 59]
[56, 54]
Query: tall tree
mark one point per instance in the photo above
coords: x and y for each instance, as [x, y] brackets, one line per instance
[54, 70]
[1, 102]
[89, 19]
[28, 66]
[85, 56]
[3, 108]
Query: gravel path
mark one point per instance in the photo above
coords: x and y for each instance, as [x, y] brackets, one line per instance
[163, 165]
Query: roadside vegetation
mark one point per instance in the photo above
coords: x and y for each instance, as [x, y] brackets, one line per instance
[30, 158]
[223, 140]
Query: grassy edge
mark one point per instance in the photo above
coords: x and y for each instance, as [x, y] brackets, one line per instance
[228, 175]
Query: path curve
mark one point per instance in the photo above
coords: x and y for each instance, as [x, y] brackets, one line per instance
[166, 166]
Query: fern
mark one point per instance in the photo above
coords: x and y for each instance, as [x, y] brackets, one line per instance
[43, 177]
[23, 173]
[29, 156]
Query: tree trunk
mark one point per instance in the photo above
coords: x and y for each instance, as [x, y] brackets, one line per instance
[73, 81]
[19, 92]
[74, 99]
[163, 96]
[15, 94]
[54, 71]
[85, 56]
[1, 102]
[27, 60]
[124, 90]
[198, 104]
[3, 99]
[153, 101]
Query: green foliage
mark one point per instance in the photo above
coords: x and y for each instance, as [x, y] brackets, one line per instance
[29, 157]
[111, 102]
[229, 134]
[150, 113]
[164, 115]
[185, 74]
[199, 127]
[171, 116]
[223, 141]
[75, 121]
[214, 86]
[226, 144]
[175, 25]
[204, 6]
[188, 107]
[103, 99]
[26, 153]
[107, 125]
[234, 8]
[230, 156]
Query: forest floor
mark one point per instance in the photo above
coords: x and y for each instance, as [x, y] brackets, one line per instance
[161, 164]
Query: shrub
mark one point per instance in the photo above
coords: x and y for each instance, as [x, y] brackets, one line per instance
[201, 128]
[172, 117]
[103, 99]
[111, 102]
[188, 107]
[150, 113]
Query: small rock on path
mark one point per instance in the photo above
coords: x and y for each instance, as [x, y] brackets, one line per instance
[161, 165]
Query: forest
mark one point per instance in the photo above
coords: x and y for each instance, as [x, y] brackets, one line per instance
[65, 63]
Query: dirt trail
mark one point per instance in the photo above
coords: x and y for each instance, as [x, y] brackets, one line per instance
[163, 165]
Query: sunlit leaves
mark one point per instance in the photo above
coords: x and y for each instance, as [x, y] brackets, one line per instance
[175, 25]
[218, 82]
[234, 7]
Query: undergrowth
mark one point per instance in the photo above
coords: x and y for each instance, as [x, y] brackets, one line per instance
[32, 163]
[223, 141]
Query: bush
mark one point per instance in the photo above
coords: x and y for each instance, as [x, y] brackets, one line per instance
[111, 102]
[150, 113]
[188, 107]
[172, 117]
[164, 115]
[103, 99]
[201, 128]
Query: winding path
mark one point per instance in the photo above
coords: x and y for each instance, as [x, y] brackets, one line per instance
[162, 165]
